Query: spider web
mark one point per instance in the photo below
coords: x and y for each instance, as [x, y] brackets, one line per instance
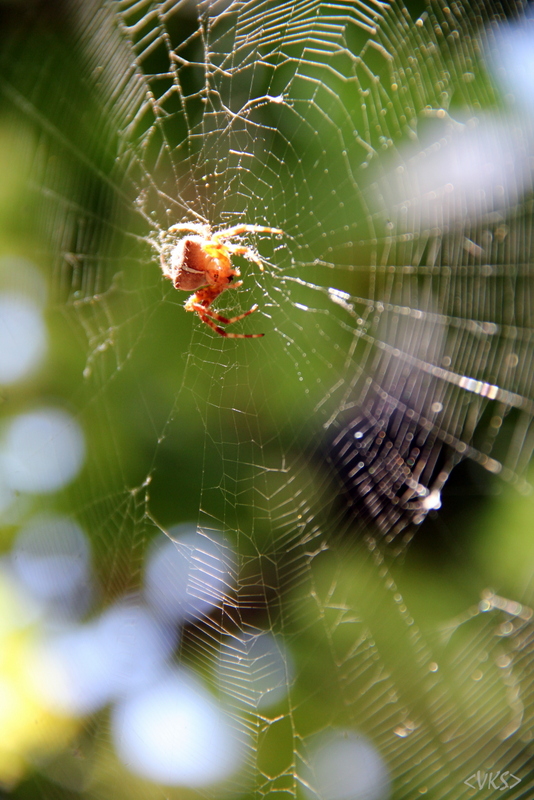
[396, 306]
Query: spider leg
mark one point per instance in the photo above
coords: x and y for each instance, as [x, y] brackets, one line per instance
[202, 310]
[208, 316]
[196, 227]
[248, 252]
[227, 233]
[227, 335]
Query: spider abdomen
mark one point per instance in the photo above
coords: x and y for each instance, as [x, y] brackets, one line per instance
[190, 265]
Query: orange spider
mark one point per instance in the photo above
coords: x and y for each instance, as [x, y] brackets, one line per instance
[202, 263]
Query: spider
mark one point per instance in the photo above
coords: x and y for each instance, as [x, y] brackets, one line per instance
[202, 263]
